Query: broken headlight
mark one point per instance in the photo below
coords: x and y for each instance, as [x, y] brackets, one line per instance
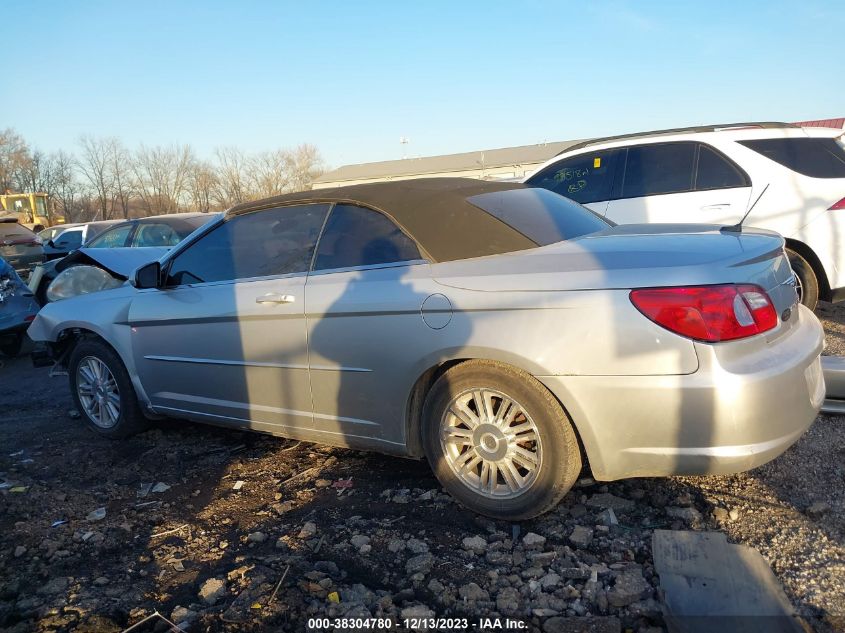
[80, 280]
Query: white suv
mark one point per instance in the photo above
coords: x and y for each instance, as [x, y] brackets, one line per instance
[792, 179]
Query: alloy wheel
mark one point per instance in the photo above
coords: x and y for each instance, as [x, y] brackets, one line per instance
[98, 392]
[491, 443]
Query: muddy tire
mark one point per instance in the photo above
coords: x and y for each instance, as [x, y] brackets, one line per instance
[498, 441]
[102, 390]
[807, 283]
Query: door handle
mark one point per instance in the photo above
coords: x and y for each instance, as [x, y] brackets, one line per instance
[272, 297]
[716, 207]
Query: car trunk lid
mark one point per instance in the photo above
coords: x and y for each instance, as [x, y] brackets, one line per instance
[636, 256]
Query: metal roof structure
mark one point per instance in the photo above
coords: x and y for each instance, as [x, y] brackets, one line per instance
[484, 159]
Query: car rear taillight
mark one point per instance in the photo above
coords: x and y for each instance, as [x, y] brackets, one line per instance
[708, 313]
[838, 206]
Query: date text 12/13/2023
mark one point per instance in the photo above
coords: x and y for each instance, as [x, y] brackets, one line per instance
[482, 625]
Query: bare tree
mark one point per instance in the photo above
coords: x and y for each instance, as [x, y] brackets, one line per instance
[232, 176]
[162, 176]
[305, 165]
[95, 164]
[121, 174]
[269, 174]
[66, 185]
[203, 185]
[14, 154]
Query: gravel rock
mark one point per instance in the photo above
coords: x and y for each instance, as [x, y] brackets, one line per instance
[581, 536]
[416, 611]
[630, 586]
[396, 545]
[256, 537]
[359, 540]
[420, 564]
[508, 601]
[550, 581]
[308, 530]
[690, 515]
[582, 625]
[533, 541]
[607, 500]
[475, 544]
[416, 546]
[721, 515]
[20, 550]
[54, 586]
[182, 614]
[212, 590]
[472, 591]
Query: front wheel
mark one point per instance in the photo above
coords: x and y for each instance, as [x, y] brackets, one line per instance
[103, 391]
[498, 441]
[806, 283]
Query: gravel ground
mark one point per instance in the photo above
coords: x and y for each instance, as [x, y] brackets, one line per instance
[324, 532]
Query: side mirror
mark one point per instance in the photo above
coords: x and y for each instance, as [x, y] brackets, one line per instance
[51, 244]
[148, 276]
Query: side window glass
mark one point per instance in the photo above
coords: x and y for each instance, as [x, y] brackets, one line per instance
[258, 244]
[584, 178]
[155, 235]
[655, 169]
[115, 238]
[69, 239]
[355, 236]
[716, 172]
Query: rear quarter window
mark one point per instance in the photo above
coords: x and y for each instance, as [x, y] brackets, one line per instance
[540, 215]
[813, 157]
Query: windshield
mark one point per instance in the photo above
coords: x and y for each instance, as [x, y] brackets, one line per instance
[540, 215]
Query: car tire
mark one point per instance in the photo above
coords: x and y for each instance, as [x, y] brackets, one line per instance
[11, 345]
[102, 390]
[808, 283]
[504, 484]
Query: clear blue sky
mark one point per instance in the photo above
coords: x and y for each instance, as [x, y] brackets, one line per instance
[352, 77]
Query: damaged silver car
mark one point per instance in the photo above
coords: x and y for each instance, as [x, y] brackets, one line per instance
[502, 332]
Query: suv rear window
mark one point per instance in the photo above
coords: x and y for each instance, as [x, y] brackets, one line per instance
[540, 215]
[813, 157]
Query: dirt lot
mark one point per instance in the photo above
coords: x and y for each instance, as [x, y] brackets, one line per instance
[220, 530]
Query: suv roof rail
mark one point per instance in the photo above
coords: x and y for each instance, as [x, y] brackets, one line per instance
[678, 130]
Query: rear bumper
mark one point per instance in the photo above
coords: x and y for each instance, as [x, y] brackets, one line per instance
[748, 402]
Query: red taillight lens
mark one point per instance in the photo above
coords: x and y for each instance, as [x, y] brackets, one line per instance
[708, 313]
[838, 206]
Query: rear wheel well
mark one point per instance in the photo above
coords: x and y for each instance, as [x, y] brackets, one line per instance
[807, 253]
[416, 401]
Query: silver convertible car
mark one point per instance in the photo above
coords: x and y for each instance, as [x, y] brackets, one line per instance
[503, 332]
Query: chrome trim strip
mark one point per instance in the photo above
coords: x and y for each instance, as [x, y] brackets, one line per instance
[243, 363]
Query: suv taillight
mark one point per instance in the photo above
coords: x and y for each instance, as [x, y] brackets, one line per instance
[838, 206]
[708, 313]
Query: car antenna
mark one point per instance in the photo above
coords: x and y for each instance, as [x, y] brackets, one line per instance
[737, 228]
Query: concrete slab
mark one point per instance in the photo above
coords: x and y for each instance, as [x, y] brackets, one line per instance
[708, 585]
